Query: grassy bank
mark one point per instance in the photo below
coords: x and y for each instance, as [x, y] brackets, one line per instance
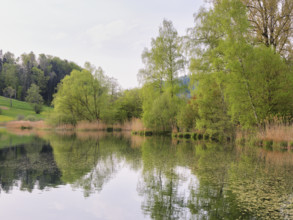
[19, 110]
[273, 136]
[83, 126]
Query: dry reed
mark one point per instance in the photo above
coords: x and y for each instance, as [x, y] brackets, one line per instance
[91, 126]
[137, 125]
[27, 124]
[277, 132]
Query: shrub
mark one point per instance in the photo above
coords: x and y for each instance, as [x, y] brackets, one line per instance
[20, 117]
[31, 118]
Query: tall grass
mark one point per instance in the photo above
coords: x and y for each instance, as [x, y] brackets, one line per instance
[137, 125]
[276, 131]
[27, 124]
[91, 126]
[134, 124]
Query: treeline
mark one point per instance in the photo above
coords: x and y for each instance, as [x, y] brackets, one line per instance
[239, 59]
[90, 95]
[18, 74]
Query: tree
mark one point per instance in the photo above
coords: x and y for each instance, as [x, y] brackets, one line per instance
[39, 78]
[162, 115]
[271, 23]
[81, 96]
[251, 81]
[8, 57]
[9, 76]
[9, 92]
[28, 62]
[34, 97]
[128, 105]
[164, 60]
[163, 63]
[187, 115]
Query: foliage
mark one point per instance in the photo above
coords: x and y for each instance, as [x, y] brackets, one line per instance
[31, 118]
[212, 108]
[45, 71]
[163, 63]
[271, 23]
[162, 115]
[34, 97]
[81, 96]
[239, 83]
[129, 105]
[164, 60]
[187, 115]
[9, 92]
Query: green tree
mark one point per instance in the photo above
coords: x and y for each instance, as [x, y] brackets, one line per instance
[162, 115]
[129, 105]
[9, 76]
[81, 96]
[9, 92]
[163, 63]
[164, 60]
[251, 82]
[34, 97]
[187, 115]
[39, 78]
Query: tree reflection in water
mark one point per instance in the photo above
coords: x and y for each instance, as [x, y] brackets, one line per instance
[28, 166]
[176, 180]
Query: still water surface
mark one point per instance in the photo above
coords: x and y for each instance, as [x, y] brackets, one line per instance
[119, 176]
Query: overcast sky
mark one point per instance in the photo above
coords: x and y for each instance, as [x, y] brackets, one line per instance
[107, 33]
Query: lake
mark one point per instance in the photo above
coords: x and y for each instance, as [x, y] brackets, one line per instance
[96, 175]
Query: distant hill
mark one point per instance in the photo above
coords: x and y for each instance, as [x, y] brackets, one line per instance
[185, 80]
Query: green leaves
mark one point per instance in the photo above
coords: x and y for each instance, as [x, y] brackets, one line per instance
[34, 97]
[80, 96]
[240, 83]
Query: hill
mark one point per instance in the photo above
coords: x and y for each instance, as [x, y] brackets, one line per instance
[19, 110]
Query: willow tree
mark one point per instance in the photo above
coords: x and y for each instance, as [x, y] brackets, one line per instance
[81, 96]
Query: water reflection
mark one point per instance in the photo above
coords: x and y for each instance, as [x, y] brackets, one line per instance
[28, 166]
[174, 180]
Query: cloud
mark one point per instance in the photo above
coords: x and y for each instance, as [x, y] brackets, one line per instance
[102, 33]
[59, 36]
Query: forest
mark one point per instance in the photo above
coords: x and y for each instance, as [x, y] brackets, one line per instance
[232, 70]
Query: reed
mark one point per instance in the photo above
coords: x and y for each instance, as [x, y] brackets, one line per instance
[27, 125]
[137, 125]
[277, 132]
[91, 126]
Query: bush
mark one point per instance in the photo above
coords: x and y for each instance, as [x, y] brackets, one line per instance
[31, 118]
[20, 117]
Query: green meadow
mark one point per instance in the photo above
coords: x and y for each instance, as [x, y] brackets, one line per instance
[19, 110]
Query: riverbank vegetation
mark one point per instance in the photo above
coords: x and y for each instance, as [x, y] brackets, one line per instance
[239, 61]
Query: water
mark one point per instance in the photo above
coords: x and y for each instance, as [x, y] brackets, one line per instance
[119, 176]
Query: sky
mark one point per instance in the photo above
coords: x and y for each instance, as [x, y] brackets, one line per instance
[107, 33]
